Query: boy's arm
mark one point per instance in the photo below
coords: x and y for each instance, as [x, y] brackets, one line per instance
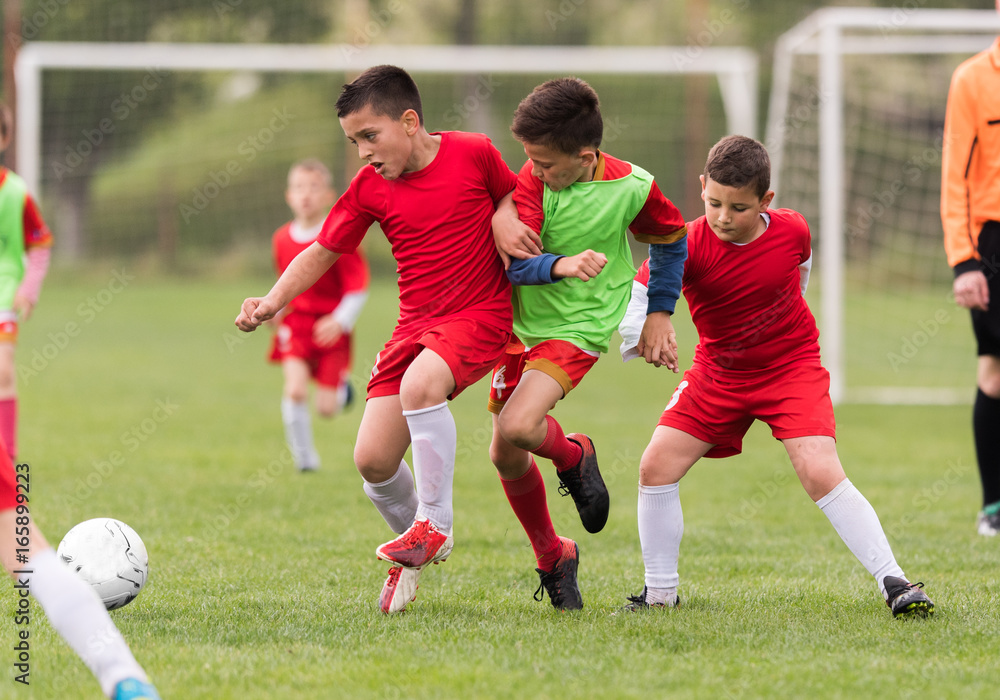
[513, 238]
[302, 273]
[658, 340]
[548, 268]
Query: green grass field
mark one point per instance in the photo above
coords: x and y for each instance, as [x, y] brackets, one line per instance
[141, 401]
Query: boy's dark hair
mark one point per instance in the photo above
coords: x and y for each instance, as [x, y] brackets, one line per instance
[738, 161]
[388, 90]
[564, 114]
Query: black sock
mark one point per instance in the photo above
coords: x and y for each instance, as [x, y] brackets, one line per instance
[986, 427]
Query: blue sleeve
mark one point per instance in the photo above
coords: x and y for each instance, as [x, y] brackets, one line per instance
[666, 272]
[536, 270]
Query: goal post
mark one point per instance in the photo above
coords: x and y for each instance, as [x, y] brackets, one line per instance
[854, 129]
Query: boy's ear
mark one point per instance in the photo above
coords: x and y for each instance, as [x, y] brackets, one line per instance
[766, 199]
[702, 179]
[411, 121]
[588, 156]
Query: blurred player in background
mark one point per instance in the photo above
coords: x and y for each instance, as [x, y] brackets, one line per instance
[313, 339]
[434, 195]
[25, 249]
[970, 213]
[757, 358]
[567, 304]
[72, 606]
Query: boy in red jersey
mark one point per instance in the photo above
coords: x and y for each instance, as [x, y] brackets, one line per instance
[567, 303]
[72, 606]
[434, 195]
[313, 340]
[757, 358]
[25, 248]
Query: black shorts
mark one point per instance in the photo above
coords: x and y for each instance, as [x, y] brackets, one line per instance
[986, 324]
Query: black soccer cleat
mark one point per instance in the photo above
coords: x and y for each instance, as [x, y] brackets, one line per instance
[638, 602]
[585, 484]
[906, 599]
[560, 583]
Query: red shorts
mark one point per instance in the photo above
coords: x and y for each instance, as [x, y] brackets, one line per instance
[8, 331]
[8, 482]
[328, 365]
[560, 359]
[794, 401]
[471, 349]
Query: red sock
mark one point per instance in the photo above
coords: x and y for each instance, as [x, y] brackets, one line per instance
[8, 425]
[563, 453]
[527, 499]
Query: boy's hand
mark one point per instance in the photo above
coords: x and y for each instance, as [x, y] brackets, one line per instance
[23, 306]
[254, 312]
[327, 331]
[515, 240]
[583, 266]
[658, 341]
[972, 290]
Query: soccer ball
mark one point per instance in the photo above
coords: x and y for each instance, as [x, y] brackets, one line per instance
[110, 556]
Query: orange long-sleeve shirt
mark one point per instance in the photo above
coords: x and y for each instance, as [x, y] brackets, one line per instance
[970, 165]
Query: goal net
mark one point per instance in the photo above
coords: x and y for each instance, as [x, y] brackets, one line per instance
[855, 132]
[175, 151]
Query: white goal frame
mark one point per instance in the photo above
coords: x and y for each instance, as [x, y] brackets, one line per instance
[735, 68]
[831, 34]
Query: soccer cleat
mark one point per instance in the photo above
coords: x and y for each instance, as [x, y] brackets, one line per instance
[584, 483]
[420, 545]
[134, 689]
[905, 599]
[400, 589]
[560, 583]
[988, 524]
[638, 602]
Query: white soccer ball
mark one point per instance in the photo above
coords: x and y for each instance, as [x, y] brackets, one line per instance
[110, 556]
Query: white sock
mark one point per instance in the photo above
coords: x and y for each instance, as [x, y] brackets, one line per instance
[857, 524]
[76, 613]
[395, 499]
[661, 526]
[298, 433]
[433, 439]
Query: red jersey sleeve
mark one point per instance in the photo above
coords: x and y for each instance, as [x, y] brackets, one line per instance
[659, 221]
[528, 197]
[36, 233]
[353, 213]
[498, 177]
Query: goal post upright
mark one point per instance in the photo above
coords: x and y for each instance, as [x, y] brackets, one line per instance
[735, 68]
[829, 35]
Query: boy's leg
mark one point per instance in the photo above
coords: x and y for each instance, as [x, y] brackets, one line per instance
[667, 458]
[524, 422]
[8, 398]
[73, 609]
[295, 414]
[818, 467]
[383, 437]
[557, 557]
[985, 418]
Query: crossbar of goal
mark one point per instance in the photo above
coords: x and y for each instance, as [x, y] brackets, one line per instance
[735, 68]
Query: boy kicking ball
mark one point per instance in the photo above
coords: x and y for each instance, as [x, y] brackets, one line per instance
[757, 358]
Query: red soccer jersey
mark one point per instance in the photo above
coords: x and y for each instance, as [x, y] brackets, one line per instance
[657, 219]
[36, 233]
[348, 274]
[439, 222]
[746, 300]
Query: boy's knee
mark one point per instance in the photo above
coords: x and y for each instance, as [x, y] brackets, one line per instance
[296, 393]
[372, 467]
[515, 429]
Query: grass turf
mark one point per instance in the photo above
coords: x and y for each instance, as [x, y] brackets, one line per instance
[140, 401]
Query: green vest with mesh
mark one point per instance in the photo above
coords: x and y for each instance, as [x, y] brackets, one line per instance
[12, 197]
[594, 215]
